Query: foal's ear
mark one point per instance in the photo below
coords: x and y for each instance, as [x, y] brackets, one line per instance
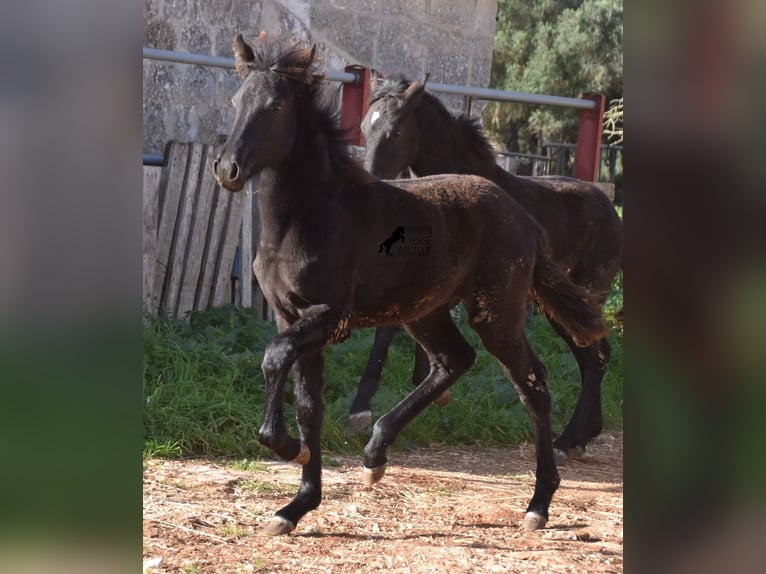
[413, 92]
[376, 78]
[300, 68]
[243, 55]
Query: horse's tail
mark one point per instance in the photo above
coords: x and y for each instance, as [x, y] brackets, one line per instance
[575, 308]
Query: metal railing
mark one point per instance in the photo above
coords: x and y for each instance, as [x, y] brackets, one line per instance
[469, 92]
[511, 96]
[561, 157]
[221, 62]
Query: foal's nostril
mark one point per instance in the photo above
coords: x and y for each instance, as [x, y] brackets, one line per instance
[215, 166]
[234, 171]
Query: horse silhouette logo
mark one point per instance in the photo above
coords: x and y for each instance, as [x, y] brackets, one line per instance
[397, 235]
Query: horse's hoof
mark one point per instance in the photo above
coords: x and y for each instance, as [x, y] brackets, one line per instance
[443, 399]
[278, 526]
[576, 451]
[304, 456]
[357, 422]
[560, 457]
[534, 521]
[373, 475]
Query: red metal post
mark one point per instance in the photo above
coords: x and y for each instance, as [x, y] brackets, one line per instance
[588, 155]
[354, 104]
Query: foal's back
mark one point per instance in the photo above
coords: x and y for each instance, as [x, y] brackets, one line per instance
[468, 224]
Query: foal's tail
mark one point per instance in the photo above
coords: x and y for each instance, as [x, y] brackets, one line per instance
[572, 306]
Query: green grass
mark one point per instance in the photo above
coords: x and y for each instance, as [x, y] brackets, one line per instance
[233, 530]
[203, 388]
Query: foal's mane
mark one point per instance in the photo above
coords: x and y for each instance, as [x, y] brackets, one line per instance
[289, 57]
[296, 60]
[468, 129]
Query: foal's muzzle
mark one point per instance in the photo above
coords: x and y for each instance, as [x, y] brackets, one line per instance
[228, 174]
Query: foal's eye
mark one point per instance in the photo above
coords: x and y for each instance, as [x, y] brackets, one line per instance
[275, 106]
[396, 133]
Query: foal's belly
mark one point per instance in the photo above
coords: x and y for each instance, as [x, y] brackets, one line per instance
[403, 305]
[376, 291]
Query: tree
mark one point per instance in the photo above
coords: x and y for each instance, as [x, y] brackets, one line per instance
[613, 122]
[557, 47]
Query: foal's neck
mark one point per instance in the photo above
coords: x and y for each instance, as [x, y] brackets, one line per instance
[444, 149]
[303, 184]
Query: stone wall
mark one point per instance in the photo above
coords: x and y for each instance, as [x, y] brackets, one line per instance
[450, 39]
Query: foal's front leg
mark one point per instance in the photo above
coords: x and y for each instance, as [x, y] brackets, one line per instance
[309, 407]
[301, 344]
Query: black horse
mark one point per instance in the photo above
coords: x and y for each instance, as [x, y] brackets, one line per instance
[313, 196]
[397, 235]
[407, 127]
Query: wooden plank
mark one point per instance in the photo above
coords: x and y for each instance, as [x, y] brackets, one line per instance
[151, 216]
[179, 252]
[221, 200]
[199, 229]
[222, 287]
[170, 194]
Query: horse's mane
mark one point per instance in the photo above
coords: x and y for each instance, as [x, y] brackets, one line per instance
[384, 88]
[290, 57]
[468, 129]
[296, 60]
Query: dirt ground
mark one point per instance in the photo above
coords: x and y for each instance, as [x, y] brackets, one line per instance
[437, 510]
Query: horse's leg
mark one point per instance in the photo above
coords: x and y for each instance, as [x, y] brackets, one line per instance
[587, 418]
[319, 326]
[450, 356]
[309, 408]
[420, 372]
[499, 321]
[360, 416]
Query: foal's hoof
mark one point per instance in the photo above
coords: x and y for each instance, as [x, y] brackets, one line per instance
[576, 451]
[278, 526]
[443, 399]
[357, 422]
[373, 475]
[561, 457]
[534, 521]
[304, 456]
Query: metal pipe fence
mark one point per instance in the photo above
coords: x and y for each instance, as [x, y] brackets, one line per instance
[221, 62]
[351, 78]
[511, 96]
[469, 92]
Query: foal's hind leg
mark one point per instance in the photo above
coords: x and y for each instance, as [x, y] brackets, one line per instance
[503, 336]
[360, 414]
[450, 356]
[420, 372]
[586, 420]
